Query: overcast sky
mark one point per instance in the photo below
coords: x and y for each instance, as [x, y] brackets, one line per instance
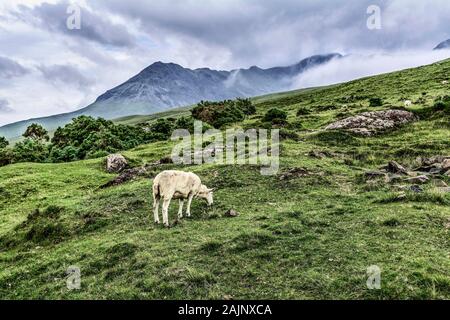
[45, 68]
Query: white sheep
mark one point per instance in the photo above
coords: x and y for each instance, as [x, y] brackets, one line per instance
[408, 103]
[180, 185]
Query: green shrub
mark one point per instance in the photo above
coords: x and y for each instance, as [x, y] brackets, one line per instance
[6, 156]
[30, 150]
[66, 154]
[375, 102]
[163, 128]
[220, 114]
[288, 134]
[89, 137]
[275, 116]
[442, 104]
[303, 112]
[3, 142]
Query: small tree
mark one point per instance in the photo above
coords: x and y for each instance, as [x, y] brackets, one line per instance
[3, 142]
[36, 132]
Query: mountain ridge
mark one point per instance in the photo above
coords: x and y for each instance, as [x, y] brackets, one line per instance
[443, 45]
[163, 86]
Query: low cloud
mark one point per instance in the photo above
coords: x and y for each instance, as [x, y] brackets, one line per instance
[362, 65]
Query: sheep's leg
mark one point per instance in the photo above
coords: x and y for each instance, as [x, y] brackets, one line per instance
[188, 211]
[180, 210]
[156, 208]
[165, 210]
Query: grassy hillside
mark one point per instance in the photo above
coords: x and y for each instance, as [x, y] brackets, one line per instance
[309, 237]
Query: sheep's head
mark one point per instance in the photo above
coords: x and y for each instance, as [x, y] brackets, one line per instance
[206, 193]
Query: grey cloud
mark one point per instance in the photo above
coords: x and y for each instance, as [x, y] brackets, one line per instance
[273, 32]
[10, 69]
[67, 74]
[4, 106]
[94, 27]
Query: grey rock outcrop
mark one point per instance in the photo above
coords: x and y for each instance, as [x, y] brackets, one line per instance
[370, 123]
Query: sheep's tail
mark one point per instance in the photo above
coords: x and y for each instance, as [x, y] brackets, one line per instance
[156, 191]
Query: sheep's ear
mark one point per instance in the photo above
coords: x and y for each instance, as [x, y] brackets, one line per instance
[212, 190]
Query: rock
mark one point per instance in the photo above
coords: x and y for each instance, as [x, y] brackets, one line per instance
[418, 180]
[231, 213]
[317, 154]
[444, 190]
[434, 160]
[395, 178]
[415, 188]
[395, 167]
[116, 163]
[370, 123]
[294, 173]
[372, 175]
[439, 183]
[446, 165]
[322, 154]
[447, 173]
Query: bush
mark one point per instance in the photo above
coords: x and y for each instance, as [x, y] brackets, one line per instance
[163, 128]
[442, 104]
[288, 134]
[375, 102]
[303, 112]
[30, 150]
[84, 137]
[275, 116]
[185, 123]
[6, 157]
[66, 154]
[220, 114]
[3, 142]
[88, 137]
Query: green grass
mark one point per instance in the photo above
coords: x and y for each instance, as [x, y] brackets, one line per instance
[310, 237]
[133, 120]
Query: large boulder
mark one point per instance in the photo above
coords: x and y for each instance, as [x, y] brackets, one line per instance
[116, 163]
[370, 123]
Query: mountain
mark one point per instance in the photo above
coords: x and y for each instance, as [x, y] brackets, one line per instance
[163, 86]
[443, 45]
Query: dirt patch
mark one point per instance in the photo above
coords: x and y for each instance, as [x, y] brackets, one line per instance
[134, 173]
